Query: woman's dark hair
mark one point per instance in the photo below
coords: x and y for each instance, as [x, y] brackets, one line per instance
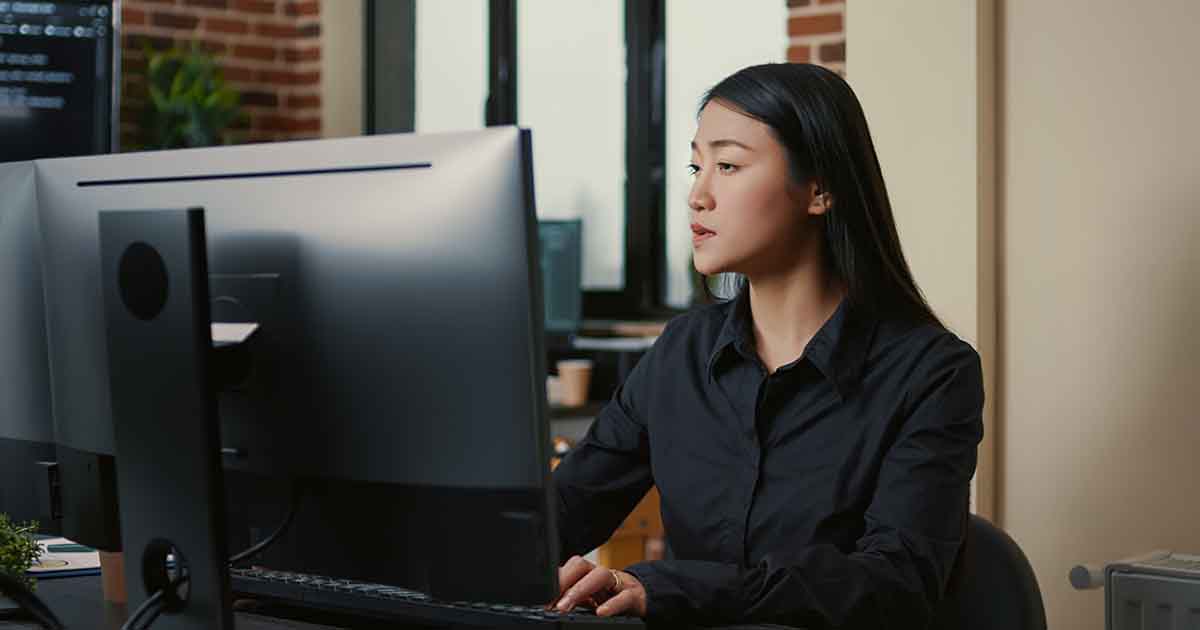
[815, 115]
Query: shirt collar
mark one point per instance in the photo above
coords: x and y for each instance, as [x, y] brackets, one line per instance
[838, 350]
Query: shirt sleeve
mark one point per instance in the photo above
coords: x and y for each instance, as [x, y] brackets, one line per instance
[914, 526]
[604, 476]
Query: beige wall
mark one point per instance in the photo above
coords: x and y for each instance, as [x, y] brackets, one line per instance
[342, 68]
[1097, 238]
[1101, 216]
[917, 68]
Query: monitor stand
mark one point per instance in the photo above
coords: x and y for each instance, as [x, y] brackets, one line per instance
[169, 477]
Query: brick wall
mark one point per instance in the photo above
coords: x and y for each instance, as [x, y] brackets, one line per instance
[270, 51]
[817, 33]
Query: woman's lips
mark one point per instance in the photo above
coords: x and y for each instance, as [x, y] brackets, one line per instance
[701, 233]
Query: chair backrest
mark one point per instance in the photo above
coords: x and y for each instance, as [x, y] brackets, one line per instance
[993, 586]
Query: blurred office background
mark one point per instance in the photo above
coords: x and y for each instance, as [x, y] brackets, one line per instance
[1041, 160]
[332, 68]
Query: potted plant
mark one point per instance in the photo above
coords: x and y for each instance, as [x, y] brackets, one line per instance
[188, 103]
[18, 549]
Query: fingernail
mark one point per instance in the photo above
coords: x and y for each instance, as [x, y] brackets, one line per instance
[563, 604]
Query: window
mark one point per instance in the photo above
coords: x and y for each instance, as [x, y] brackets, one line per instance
[426, 65]
[451, 65]
[571, 93]
[706, 41]
[586, 76]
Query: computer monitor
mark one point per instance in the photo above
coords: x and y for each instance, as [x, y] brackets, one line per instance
[26, 424]
[58, 78]
[398, 372]
[562, 272]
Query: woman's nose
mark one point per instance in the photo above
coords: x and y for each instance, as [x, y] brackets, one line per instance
[699, 198]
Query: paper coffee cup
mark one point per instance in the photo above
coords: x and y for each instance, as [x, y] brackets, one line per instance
[574, 376]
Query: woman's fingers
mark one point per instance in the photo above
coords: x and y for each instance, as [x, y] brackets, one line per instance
[596, 583]
[571, 572]
[624, 602]
[631, 598]
[568, 574]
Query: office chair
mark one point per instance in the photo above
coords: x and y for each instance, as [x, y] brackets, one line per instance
[992, 586]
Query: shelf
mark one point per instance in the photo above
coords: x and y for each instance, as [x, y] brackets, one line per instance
[589, 410]
[614, 328]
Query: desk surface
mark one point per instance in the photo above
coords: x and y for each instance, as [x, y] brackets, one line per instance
[79, 604]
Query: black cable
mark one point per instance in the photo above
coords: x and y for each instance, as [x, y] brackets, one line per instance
[153, 614]
[153, 606]
[28, 601]
[154, 601]
[297, 493]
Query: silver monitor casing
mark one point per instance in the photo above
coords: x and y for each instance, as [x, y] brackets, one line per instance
[26, 423]
[405, 301]
[24, 373]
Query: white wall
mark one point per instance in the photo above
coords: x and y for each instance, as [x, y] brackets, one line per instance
[923, 71]
[1096, 234]
[1101, 218]
[341, 68]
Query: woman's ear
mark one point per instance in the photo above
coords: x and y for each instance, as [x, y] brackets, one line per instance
[820, 201]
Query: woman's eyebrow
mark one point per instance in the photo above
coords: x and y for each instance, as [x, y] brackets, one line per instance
[724, 142]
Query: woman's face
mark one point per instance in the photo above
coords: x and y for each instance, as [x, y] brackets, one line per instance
[747, 214]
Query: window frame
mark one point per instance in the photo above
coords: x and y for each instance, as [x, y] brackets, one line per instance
[643, 292]
[645, 263]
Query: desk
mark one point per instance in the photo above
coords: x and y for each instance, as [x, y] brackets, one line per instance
[79, 604]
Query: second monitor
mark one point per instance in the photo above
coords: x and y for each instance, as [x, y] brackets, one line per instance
[397, 376]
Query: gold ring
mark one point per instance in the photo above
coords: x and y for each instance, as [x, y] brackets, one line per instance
[616, 587]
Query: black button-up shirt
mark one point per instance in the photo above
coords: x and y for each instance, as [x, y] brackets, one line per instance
[831, 493]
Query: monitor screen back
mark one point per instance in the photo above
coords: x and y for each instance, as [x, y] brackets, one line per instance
[26, 423]
[395, 282]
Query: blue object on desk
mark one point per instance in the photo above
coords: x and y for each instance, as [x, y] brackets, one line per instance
[560, 244]
[64, 558]
[69, 548]
[66, 573]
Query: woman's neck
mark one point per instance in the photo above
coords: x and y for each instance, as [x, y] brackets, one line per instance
[788, 308]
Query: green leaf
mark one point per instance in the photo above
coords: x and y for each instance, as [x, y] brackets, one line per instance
[18, 548]
[158, 98]
[189, 102]
[178, 85]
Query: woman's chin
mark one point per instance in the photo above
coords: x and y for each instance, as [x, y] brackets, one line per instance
[706, 269]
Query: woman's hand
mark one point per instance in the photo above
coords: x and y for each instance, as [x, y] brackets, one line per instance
[611, 592]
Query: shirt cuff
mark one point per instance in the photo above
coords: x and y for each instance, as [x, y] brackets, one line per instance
[660, 604]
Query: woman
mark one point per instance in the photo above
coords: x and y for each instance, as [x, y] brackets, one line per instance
[812, 439]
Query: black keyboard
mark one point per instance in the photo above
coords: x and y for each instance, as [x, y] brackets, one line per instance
[393, 603]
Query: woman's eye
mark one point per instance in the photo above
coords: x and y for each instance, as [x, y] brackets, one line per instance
[692, 169]
[726, 167]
